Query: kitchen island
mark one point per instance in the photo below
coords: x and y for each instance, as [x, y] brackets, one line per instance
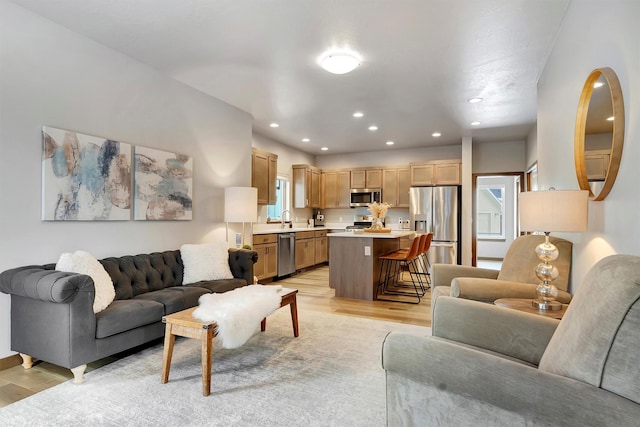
[354, 267]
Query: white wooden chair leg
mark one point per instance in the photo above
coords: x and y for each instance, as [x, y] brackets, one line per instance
[27, 361]
[78, 374]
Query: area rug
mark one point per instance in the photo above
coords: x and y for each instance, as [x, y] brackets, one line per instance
[331, 375]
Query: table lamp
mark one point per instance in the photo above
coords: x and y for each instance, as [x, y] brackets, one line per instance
[547, 211]
[240, 205]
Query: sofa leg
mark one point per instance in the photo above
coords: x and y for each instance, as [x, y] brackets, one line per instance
[78, 374]
[27, 361]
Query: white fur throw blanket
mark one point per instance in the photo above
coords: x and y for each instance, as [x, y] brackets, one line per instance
[238, 312]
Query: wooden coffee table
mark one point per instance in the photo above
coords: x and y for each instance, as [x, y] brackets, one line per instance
[183, 324]
[524, 304]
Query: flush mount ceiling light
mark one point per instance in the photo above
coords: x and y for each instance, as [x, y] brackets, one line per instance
[305, 140]
[476, 123]
[436, 134]
[339, 62]
[390, 142]
[373, 128]
[324, 148]
[358, 114]
[274, 125]
[474, 100]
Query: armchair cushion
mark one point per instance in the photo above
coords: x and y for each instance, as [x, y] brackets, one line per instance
[597, 341]
[487, 290]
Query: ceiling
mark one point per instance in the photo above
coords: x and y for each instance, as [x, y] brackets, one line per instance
[421, 60]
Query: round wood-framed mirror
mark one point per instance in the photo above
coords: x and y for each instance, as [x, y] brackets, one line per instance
[599, 135]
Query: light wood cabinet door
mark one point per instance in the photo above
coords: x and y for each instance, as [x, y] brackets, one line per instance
[267, 265]
[343, 191]
[373, 178]
[305, 253]
[264, 175]
[335, 189]
[390, 186]
[306, 187]
[423, 174]
[321, 252]
[260, 176]
[596, 164]
[358, 179]
[448, 174]
[404, 185]
[315, 189]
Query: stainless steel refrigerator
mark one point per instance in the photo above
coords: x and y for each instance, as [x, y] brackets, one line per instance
[437, 210]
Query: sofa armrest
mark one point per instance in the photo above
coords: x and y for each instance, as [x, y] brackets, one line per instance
[241, 263]
[443, 274]
[437, 382]
[38, 283]
[488, 290]
[513, 333]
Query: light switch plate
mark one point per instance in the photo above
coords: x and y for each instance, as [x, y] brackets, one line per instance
[238, 239]
[367, 251]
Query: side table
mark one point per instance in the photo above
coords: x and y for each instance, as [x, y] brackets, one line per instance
[524, 304]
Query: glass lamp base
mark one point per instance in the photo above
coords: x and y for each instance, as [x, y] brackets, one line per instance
[546, 305]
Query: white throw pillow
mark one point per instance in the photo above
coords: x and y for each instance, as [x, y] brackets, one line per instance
[84, 263]
[208, 261]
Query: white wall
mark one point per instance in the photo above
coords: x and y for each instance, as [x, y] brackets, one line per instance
[531, 148]
[388, 158]
[495, 157]
[51, 76]
[594, 34]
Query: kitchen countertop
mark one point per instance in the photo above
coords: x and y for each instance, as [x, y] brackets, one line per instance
[294, 230]
[393, 235]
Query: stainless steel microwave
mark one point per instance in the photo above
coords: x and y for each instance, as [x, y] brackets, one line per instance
[365, 196]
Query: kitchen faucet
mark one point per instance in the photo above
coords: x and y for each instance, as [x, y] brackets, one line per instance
[282, 216]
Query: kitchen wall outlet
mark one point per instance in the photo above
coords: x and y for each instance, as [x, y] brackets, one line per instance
[340, 219]
[296, 219]
[238, 239]
[367, 251]
[259, 218]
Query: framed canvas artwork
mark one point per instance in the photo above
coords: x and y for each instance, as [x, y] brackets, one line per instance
[163, 185]
[84, 177]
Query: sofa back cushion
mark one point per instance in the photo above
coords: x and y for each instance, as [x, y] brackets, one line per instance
[597, 340]
[520, 261]
[133, 275]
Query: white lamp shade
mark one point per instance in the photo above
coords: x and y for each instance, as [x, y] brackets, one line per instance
[553, 210]
[240, 204]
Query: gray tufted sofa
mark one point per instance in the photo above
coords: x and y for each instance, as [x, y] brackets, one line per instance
[52, 315]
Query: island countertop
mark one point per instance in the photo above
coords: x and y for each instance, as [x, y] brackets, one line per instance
[395, 234]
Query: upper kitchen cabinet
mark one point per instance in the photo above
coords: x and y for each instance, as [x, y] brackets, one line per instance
[335, 189]
[395, 186]
[264, 175]
[366, 178]
[442, 172]
[306, 186]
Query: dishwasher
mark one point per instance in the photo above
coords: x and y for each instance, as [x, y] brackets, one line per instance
[286, 253]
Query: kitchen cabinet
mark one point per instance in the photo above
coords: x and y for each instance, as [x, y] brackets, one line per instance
[266, 245]
[436, 173]
[366, 178]
[305, 249]
[335, 187]
[395, 186]
[306, 186]
[597, 164]
[264, 175]
[321, 247]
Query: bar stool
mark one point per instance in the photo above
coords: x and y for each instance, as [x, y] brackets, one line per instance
[391, 267]
[423, 260]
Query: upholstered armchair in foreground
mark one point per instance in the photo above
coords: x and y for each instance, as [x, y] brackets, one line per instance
[492, 366]
[516, 278]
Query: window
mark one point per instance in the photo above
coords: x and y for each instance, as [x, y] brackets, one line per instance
[490, 216]
[282, 201]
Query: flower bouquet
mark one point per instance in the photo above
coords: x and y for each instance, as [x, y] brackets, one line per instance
[378, 211]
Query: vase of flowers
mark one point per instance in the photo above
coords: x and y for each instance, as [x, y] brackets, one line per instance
[378, 211]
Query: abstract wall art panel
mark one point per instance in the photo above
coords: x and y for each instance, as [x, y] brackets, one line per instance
[85, 178]
[163, 185]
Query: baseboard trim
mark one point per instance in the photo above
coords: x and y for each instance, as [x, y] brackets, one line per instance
[10, 362]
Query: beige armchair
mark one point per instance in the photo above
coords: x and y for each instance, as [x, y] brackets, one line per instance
[516, 279]
[492, 366]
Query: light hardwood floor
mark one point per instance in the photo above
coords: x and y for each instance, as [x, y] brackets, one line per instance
[314, 294]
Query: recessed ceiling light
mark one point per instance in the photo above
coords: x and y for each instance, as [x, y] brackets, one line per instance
[390, 143]
[476, 123]
[305, 140]
[339, 62]
[373, 128]
[474, 100]
[436, 134]
[597, 85]
[358, 114]
[324, 148]
[610, 118]
[274, 125]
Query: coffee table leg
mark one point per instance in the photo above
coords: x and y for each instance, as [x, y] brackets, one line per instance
[263, 325]
[294, 315]
[169, 340]
[207, 345]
